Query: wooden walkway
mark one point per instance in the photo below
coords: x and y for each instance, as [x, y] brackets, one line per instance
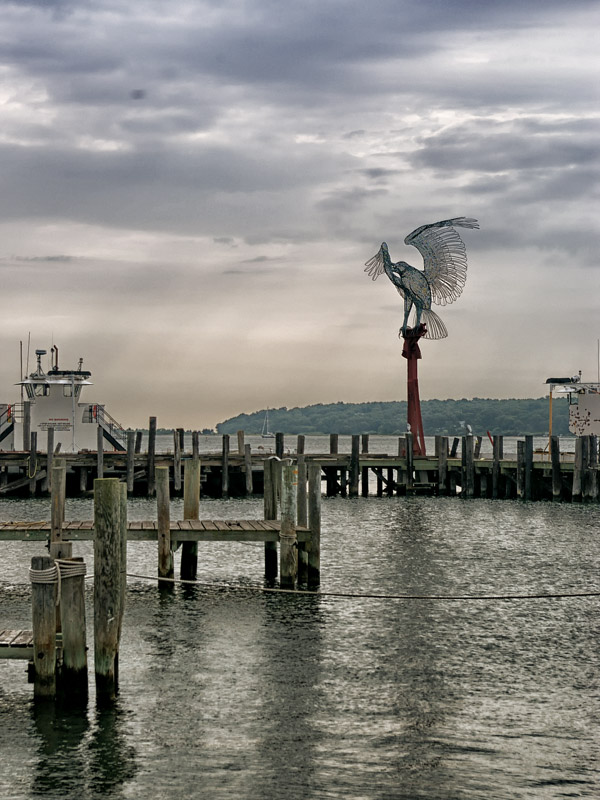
[16, 644]
[207, 530]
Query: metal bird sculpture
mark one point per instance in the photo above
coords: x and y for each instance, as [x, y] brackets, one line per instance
[442, 279]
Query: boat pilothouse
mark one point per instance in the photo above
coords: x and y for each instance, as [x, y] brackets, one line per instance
[584, 404]
[52, 399]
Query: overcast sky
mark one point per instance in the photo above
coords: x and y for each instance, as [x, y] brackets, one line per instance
[190, 191]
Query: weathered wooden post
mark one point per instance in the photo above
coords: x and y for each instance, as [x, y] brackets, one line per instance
[163, 502]
[556, 471]
[58, 547]
[578, 466]
[138, 442]
[520, 468]
[26, 424]
[72, 608]
[497, 455]
[47, 482]
[32, 463]
[314, 523]
[100, 451]
[191, 510]
[279, 445]
[241, 442]
[225, 466]
[177, 461]
[300, 444]
[150, 466]
[270, 497]
[364, 477]
[354, 466]
[248, 469]
[108, 589]
[442, 453]
[195, 445]
[302, 517]
[454, 449]
[410, 468]
[331, 482]
[43, 614]
[288, 545]
[468, 480]
[130, 461]
[592, 470]
[528, 467]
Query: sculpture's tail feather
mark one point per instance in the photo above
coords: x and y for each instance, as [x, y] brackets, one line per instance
[435, 327]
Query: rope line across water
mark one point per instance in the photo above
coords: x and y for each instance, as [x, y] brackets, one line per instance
[360, 595]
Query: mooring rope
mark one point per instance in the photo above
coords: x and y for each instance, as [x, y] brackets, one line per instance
[373, 596]
[61, 569]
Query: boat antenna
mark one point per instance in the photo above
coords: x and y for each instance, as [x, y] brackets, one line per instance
[21, 366]
[27, 362]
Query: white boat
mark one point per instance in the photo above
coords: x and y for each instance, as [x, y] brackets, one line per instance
[266, 433]
[52, 400]
[584, 404]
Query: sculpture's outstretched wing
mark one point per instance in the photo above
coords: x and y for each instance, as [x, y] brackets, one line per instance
[374, 266]
[444, 256]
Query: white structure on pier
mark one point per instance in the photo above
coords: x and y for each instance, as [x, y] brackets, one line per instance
[52, 400]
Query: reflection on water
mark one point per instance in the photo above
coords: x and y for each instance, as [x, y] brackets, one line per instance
[237, 694]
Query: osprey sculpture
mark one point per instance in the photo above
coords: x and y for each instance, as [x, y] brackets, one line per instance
[442, 279]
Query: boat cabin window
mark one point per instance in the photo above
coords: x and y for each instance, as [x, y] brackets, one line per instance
[41, 389]
[68, 390]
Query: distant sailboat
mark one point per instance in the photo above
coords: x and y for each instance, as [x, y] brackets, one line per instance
[266, 433]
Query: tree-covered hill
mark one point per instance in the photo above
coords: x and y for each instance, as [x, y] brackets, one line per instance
[512, 417]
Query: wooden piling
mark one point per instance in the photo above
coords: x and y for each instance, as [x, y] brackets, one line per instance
[270, 499]
[177, 461]
[576, 491]
[468, 480]
[195, 445]
[410, 469]
[72, 604]
[225, 466]
[314, 523]
[150, 466]
[248, 469]
[58, 547]
[191, 510]
[288, 546]
[477, 447]
[163, 506]
[498, 447]
[354, 466]
[138, 442]
[364, 478]
[43, 614]
[520, 468]
[300, 444]
[100, 452]
[454, 449]
[26, 424]
[279, 445]
[130, 461]
[47, 484]
[107, 585]
[528, 467]
[556, 472]
[32, 467]
[302, 517]
[442, 453]
[240, 442]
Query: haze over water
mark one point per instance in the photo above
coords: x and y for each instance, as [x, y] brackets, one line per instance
[235, 693]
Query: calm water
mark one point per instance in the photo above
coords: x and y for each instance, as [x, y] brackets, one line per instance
[228, 693]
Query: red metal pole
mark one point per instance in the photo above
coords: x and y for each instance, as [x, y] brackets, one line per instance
[412, 353]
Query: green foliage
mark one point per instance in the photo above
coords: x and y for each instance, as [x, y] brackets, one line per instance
[512, 417]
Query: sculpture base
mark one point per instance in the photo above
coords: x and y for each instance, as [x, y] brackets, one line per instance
[412, 353]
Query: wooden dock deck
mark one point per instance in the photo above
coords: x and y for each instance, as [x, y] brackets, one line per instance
[188, 530]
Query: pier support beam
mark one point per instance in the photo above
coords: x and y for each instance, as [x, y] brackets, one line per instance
[43, 613]
[270, 497]
[314, 523]
[163, 503]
